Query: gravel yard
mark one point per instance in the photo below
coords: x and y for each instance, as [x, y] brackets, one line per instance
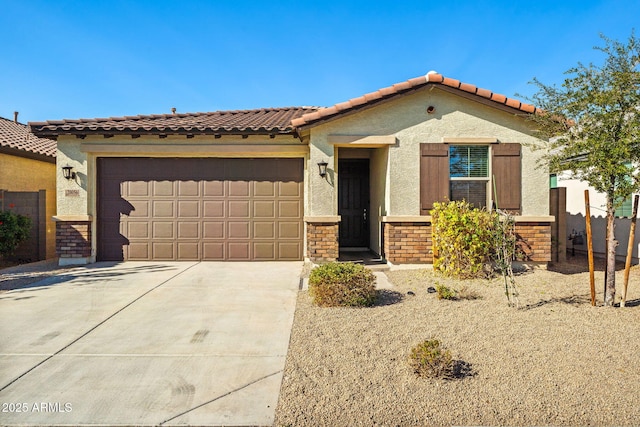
[554, 361]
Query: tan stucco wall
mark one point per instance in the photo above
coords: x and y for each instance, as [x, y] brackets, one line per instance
[406, 119]
[21, 174]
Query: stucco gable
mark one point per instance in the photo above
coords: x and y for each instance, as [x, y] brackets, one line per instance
[399, 89]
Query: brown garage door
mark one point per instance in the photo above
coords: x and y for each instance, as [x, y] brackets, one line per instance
[199, 209]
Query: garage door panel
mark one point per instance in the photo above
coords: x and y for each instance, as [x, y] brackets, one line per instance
[213, 188]
[238, 230]
[239, 251]
[264, 209]
[239, 188]
[213, 251]
[188, 188]
[213, 208]
[239, 209]
[188, 250]
[163, 188]
[188, 230]
[137, 188]
[138, 230]
[163, 250]
[264, 251]
[289, 251]
[162, 230]
[289, 230]
[289, 189]
[264, 230]
[139, 208]
[289, 209]
[188, 209]
[163, 208]
[138, 251]
[214, 230]
[264, 189]
[199, 209]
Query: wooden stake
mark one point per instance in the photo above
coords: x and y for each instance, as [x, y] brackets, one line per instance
[592, 278]
[632, 236]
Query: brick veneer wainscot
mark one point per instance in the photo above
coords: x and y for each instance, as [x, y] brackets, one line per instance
[411, 242]
[408, 242]
[534, 239]
[73, 239]
[322, 241]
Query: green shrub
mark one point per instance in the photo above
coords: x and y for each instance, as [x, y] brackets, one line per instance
[462, 239]
[445, 292]
[342, 284]
[14, 228]
[429, 359]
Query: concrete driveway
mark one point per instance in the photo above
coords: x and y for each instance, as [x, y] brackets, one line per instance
[148, 344]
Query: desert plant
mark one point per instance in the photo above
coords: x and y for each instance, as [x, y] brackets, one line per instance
[468, 293]
[342, 284]
[445, 292]
[430, 359]
[461, 239]
[14, 228]
[504, 252]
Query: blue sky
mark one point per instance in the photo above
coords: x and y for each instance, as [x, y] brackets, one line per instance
[71, 59]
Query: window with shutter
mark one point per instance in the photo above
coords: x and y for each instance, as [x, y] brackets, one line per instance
[479, 174]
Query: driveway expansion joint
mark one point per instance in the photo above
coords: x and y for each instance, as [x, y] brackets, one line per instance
[222, 396]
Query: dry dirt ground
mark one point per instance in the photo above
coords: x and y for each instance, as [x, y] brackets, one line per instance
[556, 360]
[23, 275]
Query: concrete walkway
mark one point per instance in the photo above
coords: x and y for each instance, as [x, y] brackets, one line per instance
[148, 344]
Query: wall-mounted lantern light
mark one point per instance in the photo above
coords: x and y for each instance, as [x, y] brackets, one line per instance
[322, 168]
[67, 172]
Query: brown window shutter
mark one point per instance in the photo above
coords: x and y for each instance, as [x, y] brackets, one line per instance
[507, 172]
[434, 175]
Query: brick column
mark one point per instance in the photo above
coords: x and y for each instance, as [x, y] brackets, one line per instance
[73, 241]
[534, 240]
[322, 241]
[408, 242]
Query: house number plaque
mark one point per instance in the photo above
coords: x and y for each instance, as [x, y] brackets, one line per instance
[72, 193]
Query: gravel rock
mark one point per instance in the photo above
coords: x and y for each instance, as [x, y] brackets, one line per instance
[555, 360]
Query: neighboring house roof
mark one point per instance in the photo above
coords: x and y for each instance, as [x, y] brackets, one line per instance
[263, 121]
[411, 85]
[15, 139]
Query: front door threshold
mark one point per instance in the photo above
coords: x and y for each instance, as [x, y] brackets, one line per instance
[364, 256]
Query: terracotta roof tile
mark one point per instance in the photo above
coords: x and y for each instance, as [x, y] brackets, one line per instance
[15, 135]
[498, 98]
[485, 93]
[261, 121]
[402, 87]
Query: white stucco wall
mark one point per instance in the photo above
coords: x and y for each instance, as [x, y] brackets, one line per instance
[576, 221]
[406, 118]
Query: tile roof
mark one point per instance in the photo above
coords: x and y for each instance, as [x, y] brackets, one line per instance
[265, 121]
[16, 136]
[410, 85]
[261, 121]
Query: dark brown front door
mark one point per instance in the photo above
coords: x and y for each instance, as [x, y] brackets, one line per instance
[200, 209]
[353, 202]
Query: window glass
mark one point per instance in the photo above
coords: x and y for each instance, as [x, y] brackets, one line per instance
[474, 192]
[468, 161]
[626, 209]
